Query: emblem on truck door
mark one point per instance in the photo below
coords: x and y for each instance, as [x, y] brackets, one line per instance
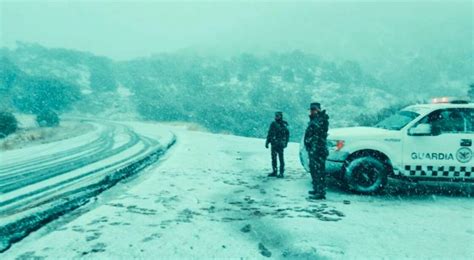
[464, 155]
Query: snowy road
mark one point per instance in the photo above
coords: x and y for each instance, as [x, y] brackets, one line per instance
[210, 197]
[37, 179]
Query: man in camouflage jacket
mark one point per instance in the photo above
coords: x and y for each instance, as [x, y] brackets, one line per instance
[315, 143]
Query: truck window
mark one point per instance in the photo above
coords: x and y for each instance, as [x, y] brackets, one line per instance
[449, 121]
[397, 121]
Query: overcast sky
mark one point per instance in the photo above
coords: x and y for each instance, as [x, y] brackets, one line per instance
[123, 30]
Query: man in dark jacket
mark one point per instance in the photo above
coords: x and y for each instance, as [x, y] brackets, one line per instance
[315, 144]
[278, 136]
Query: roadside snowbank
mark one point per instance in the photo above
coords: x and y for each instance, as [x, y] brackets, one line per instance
[33, 135]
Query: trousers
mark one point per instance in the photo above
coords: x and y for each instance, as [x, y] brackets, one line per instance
[317, 168]
[278, 152]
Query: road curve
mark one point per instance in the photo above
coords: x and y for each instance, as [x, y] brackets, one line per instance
[34, 181]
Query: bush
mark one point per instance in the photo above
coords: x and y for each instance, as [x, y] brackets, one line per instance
[47, 118]
[8, 124]
[470, 92]
[37, 94]
[372, 118]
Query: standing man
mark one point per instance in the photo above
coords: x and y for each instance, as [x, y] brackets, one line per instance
[278, 136]
[315, 144]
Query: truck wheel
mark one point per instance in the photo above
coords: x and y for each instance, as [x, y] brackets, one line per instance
[366, 175]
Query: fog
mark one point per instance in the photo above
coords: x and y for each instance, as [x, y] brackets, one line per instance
[246, 59]
[362, 30]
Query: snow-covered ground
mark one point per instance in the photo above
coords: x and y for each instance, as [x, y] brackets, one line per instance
[30, 134]
[210, 197]
[38, 183]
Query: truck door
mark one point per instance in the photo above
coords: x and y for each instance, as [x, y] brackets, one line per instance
[444, 153]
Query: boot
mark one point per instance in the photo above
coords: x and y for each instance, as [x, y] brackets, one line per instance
[315, 195]
[273, 174]
[281, 173]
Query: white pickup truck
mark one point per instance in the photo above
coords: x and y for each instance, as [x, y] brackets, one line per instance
[420, 142]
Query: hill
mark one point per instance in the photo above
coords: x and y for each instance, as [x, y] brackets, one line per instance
[235, 94]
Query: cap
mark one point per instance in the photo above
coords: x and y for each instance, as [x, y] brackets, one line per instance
[315, 106]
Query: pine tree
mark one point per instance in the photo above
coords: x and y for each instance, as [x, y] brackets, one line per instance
[470, 92]
[8, 124]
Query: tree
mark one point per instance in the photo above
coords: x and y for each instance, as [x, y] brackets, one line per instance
[8, 124]
[9, 72]
[37, 94]
[288, 75]
[47, 118]
[470, 92]
[102, 75]
[371, 119]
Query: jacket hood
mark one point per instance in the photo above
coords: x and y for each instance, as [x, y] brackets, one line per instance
[321, 114]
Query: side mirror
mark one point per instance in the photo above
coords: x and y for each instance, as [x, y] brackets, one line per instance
[421, 129]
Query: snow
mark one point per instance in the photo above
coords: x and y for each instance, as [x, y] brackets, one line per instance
[26, 120]
[210, 197]
[369, 132]
[37, 181]
[123, 91]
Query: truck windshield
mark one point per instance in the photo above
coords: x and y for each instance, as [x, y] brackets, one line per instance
[397, 121]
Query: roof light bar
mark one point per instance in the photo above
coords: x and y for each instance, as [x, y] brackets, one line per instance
[450, 100]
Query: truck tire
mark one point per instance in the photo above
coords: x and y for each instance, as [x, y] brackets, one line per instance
[366, 175]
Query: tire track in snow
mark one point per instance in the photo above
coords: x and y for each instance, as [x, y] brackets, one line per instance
[63, 182]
